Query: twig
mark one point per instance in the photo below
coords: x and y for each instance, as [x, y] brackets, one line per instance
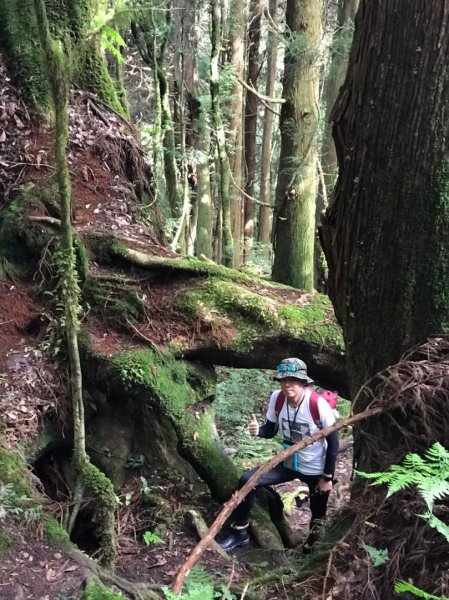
[248, 196]
[239, 495]
[144, 337]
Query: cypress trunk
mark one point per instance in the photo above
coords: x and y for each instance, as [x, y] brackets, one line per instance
[294, 218]
[386, 235]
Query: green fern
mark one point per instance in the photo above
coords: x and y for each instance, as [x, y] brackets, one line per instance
[430, 475]
[404, 586]
[378, 557]
[199, 585]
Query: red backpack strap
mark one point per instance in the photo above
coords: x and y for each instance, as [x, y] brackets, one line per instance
[313, 405]
[279, 403]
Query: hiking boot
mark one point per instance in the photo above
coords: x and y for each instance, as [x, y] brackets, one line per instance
[238, 537]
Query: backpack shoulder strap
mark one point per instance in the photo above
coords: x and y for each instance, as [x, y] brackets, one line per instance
[313, 405]
[279, 403]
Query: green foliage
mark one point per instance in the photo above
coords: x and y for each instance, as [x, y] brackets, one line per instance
[199, 585]
[430, 474]
[18, 505]
[378, 557]
[152, 538]
[404, 586]
[97, 591]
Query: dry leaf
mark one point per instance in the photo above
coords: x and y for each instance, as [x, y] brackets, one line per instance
[2, 136]
[12, 108]
[71, 568]
[50, 575]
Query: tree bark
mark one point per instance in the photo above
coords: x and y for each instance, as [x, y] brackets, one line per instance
[294, 218]
[390, 210]
[220, 138]
[341, 45]
[264, 229]
[236, 56]
[251, 107]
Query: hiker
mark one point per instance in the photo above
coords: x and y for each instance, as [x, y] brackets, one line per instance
[313, 465]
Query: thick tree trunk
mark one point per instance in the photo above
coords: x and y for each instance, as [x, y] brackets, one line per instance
[294, 219]
[19, 32]
[236, 54]
[264, 229]
[386, 236]
[251, 106]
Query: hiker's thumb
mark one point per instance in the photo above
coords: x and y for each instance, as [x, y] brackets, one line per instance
[253, 427]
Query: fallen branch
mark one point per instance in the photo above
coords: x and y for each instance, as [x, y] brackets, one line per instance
[239, 495]
[258, 94]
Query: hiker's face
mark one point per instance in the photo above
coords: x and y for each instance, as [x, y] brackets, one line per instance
[292, 387]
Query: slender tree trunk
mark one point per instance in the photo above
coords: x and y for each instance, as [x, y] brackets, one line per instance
[294, 219]
[151, 30]
[251, 107]
[57, 67]
[217, 119]
[341, 45]
[386, 235]
[264, 230]
[236, 54]
[204, 196]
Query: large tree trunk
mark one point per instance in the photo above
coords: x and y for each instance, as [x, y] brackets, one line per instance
[386, 236]
[294, 219]
[236, 56]
[264, 229]
[19, 32]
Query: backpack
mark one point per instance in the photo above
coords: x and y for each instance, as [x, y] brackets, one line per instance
[330, 397]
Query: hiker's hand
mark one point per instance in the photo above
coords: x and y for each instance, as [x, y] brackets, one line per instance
[323, 486]
[253, 427]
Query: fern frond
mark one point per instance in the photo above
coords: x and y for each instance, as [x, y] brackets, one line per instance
[437, 524]
[404, 586]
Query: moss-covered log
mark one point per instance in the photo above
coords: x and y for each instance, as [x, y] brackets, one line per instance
[160, 395]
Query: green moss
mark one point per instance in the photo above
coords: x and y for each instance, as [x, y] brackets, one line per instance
[164, 381]
[22, 241]
[82, 258]
[19, 37]
[97, 591]
[13, 470]
[91, 73]
[120, 300]
[5, 543]
[253, 315]
[55, 534]
[104, 247]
